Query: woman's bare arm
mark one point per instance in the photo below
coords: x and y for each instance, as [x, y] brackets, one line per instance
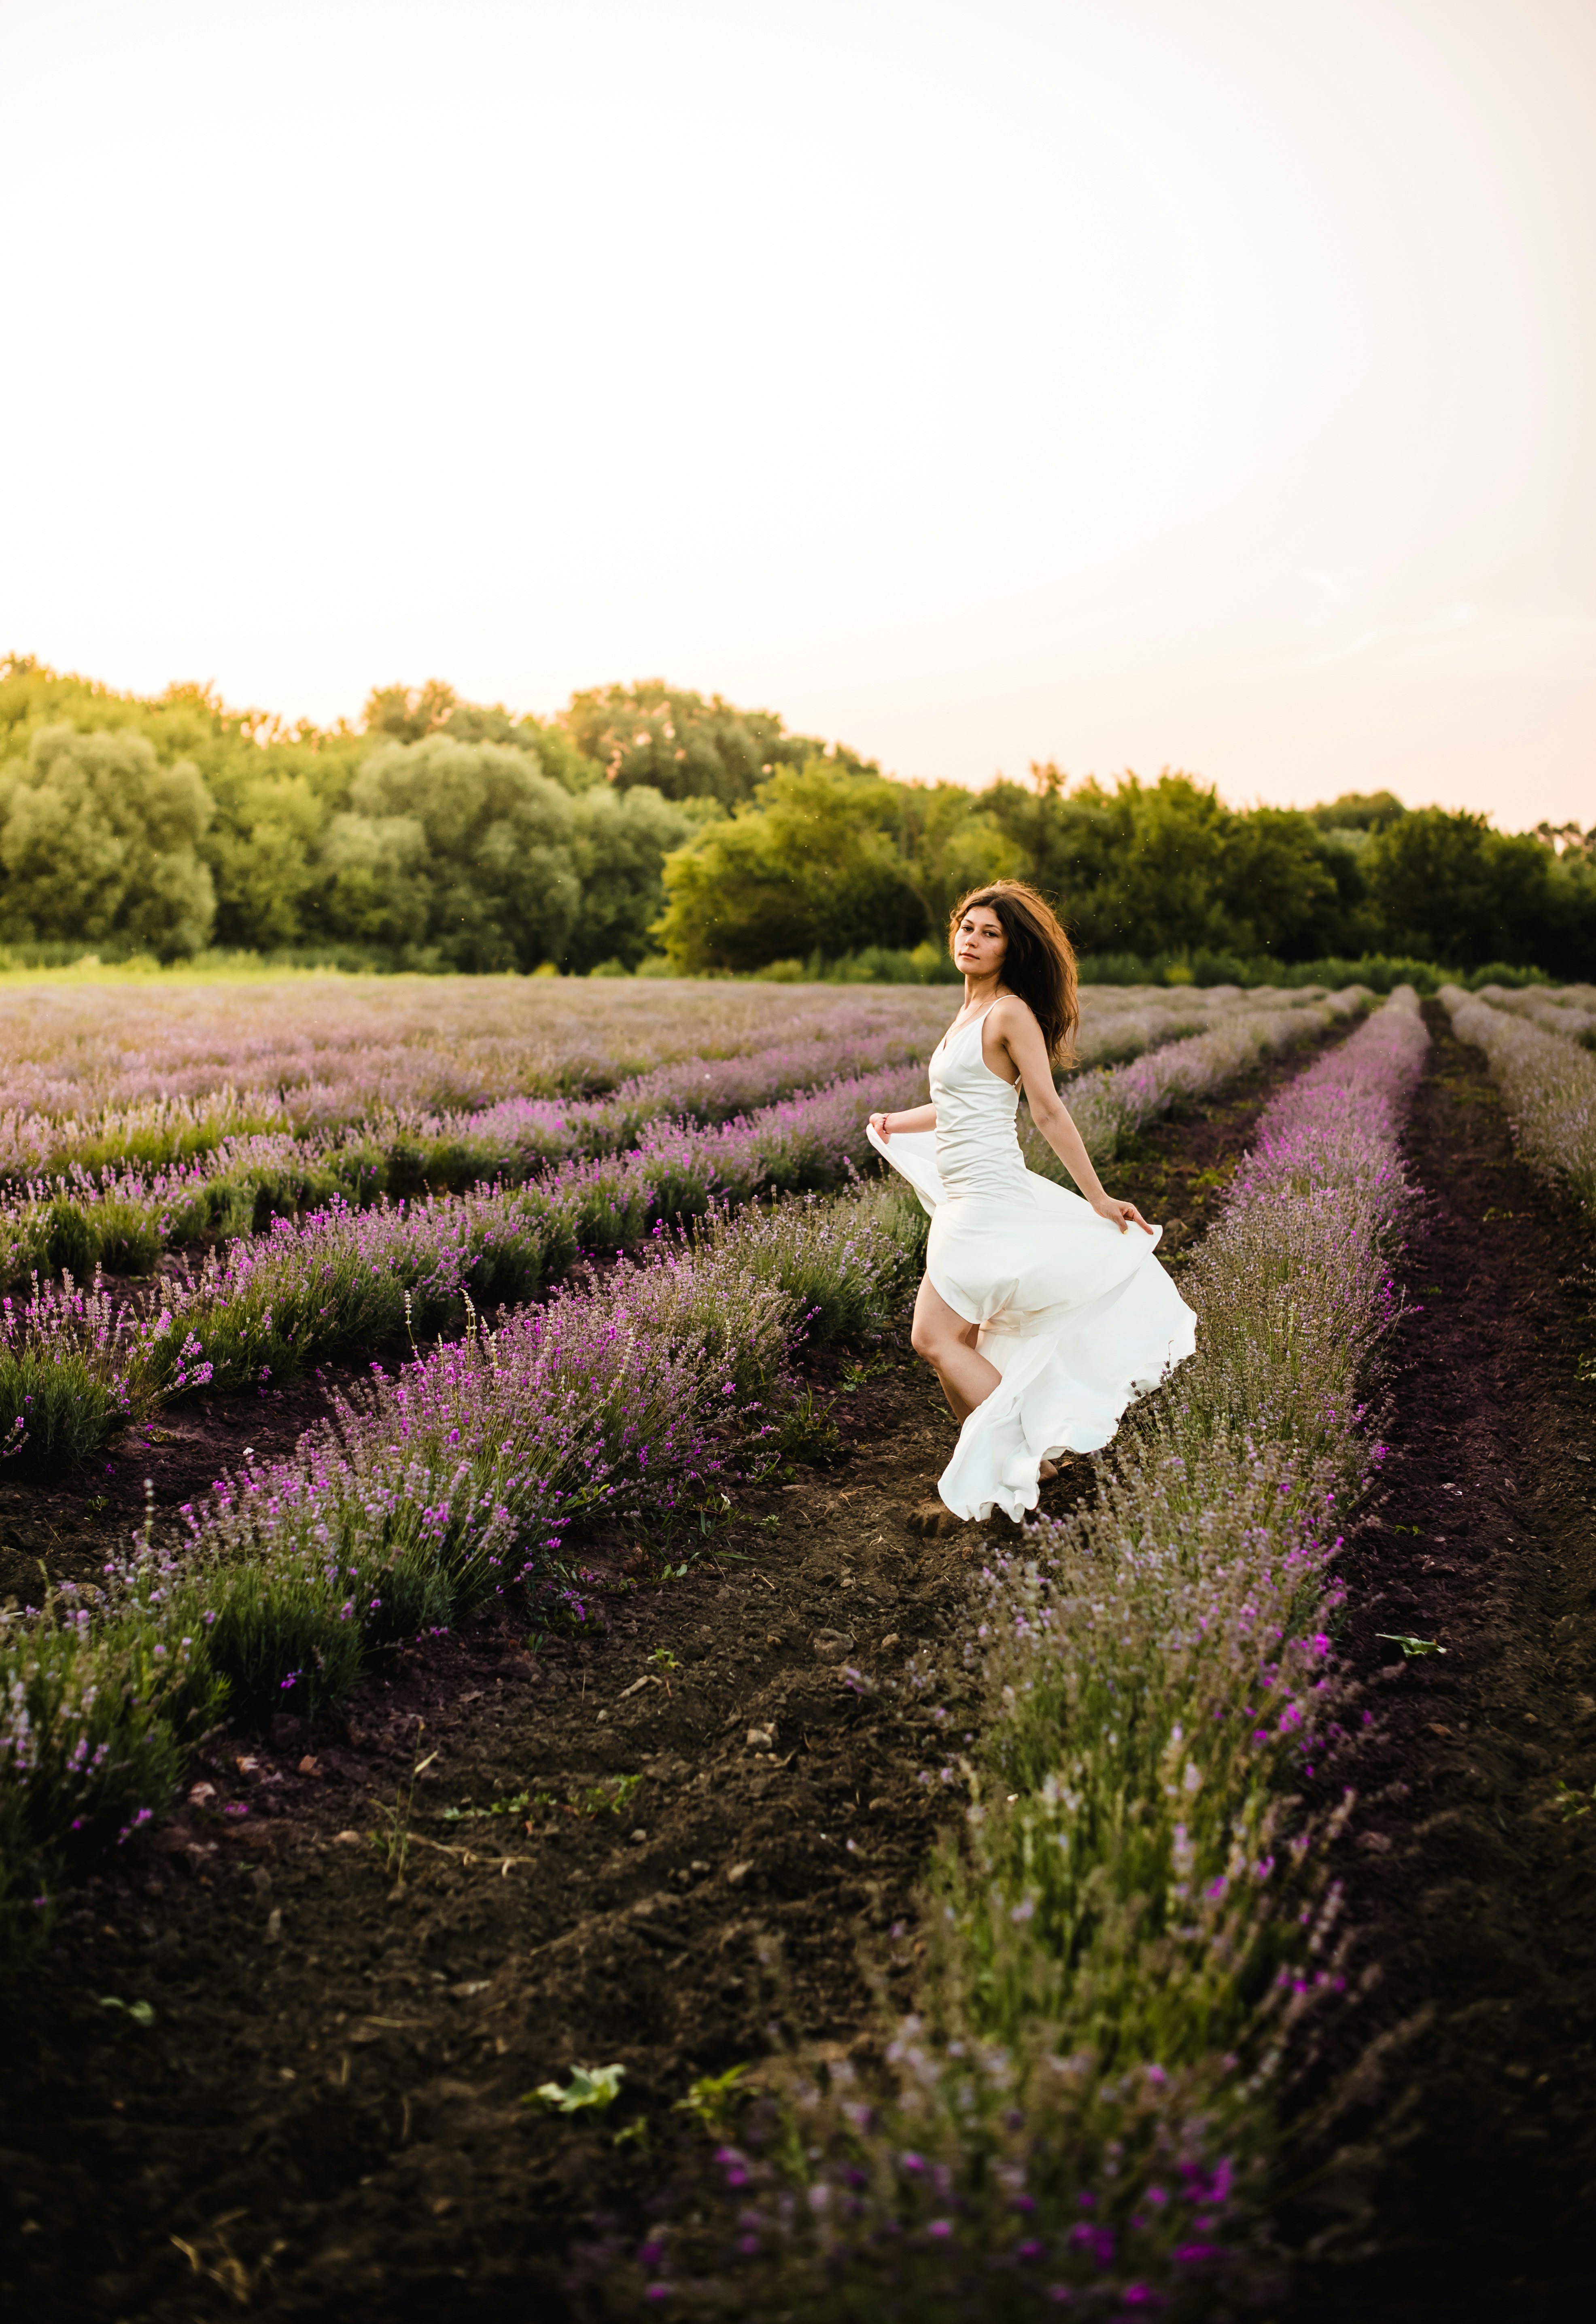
[1017, 1032]
[918, 1116]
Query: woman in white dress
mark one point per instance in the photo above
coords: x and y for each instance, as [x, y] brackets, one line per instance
[1043, 1313]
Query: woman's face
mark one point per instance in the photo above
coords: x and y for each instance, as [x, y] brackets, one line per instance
[980, 942]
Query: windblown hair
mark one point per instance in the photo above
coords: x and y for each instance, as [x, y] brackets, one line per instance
[1039, 964]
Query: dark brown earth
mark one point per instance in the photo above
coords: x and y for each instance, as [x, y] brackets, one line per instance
[325, 2117]
[1472, 1878]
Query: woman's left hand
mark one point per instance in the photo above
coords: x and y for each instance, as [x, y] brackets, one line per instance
[1121, 1214]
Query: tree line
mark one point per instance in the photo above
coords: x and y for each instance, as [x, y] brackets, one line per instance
[645, 823]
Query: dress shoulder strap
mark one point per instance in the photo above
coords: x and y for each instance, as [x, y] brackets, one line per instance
[957, 1033]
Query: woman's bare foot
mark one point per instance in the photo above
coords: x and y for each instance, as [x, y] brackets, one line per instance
[1049, 1470]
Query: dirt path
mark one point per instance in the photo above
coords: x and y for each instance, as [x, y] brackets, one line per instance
[1475, 1887]
[325, 2117]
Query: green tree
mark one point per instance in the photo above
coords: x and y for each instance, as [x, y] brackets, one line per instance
[1046, 837]
[494, 840]
[273, 786]
[99, 843]
[1359, 811]
[1568, 945]
[1167, 877]
[377, 889]
[462, 851]
[263, 850]
[408, 713]
[685, 747]
[1447, 887]
[950, 845]
[544, 739]
[1163, 867]
[1278, 886]
[1134, 868]
[1567, 842]
[619, 844]
[817, 863]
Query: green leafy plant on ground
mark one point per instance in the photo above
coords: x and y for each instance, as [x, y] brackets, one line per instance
[590, 2089]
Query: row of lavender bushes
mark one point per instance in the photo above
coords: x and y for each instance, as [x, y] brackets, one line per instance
[1548, 1081]
[121, 1216]
[115, 1191]
[658, 1386]
[128, 1069]
[185, 1074]
[1568, 1009]
[1081, 2112]
[1109, 1109]
[231, 1164]
[74, 1365]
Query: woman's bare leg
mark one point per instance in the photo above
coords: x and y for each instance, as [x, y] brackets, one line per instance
[948, 1345]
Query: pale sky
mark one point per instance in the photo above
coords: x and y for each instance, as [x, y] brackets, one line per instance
[1204, 382]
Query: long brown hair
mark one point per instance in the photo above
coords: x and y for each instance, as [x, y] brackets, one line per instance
[1039, 964]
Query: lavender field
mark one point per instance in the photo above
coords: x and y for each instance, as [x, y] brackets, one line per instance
[327, 1047]
[673, 1277]
[426, 1471]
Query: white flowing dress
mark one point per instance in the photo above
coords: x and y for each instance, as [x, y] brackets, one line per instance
[1078, 1318]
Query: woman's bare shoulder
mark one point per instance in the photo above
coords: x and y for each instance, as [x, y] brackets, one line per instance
[1010, 1013]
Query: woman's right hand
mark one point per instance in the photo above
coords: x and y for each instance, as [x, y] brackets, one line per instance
[1119, 1214]
[879, 1123]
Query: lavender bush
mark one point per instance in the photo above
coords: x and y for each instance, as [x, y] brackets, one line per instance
[1080, 2111]
[652, 1388]
[71, 1371]
[1548, 1083]
[96, 1710]
[342, 1277]
[120, 1217]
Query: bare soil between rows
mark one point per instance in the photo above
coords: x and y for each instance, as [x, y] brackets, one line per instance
[1472, 1874]
[326, 2117]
